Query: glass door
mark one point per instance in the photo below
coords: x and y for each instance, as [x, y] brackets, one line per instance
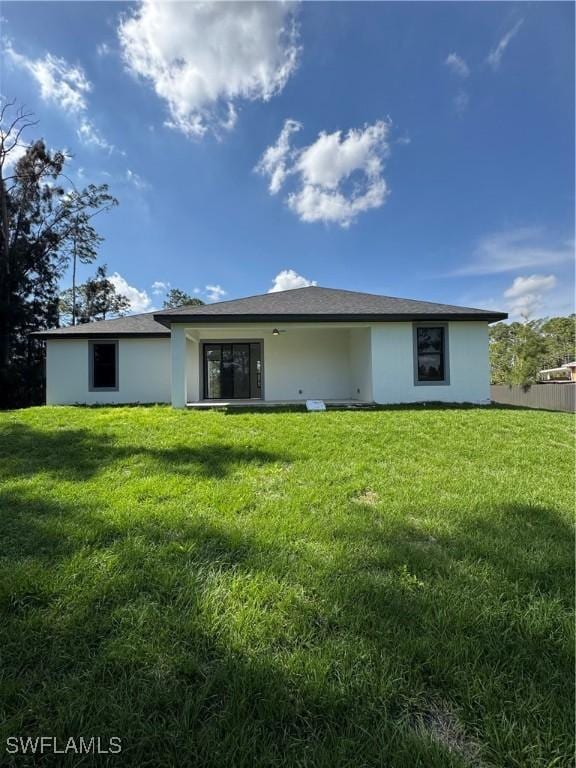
[232, 370]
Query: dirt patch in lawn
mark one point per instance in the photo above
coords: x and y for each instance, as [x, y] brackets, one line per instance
[441, 724]
[425, 542]
[368, 497]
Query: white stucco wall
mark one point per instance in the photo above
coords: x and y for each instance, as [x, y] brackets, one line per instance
[393, 365]
[360, 352]
[192, 370]
[310, 363]
[143, 370]
[330, 362]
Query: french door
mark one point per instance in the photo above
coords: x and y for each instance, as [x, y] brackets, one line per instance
[232, 370]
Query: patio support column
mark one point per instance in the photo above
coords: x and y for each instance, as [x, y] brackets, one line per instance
[178, 354]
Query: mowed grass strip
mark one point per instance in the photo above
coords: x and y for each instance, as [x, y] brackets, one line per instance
[390, 588]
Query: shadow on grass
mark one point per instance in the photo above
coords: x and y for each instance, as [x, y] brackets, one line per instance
[208, 645]
[78, 454]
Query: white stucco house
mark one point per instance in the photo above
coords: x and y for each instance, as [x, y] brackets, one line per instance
[290, 346]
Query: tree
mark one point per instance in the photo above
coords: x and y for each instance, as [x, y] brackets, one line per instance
[502, 341]
[518, 351]
[82, 206]
[530, 350]
[560, 339]
[96, 299]
[177, 298]
[39, 223]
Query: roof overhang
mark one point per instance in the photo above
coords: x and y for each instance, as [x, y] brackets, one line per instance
[48, 336]
[229, 319]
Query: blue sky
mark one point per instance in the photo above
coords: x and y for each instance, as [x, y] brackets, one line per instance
[411, 149]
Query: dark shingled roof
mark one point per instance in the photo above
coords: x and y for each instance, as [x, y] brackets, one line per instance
[132, 326]
[296, 305]
[324, 305]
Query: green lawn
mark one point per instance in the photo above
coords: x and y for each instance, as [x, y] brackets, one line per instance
[388, 588]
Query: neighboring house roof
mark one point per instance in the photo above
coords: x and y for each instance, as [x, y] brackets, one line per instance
[562, 368]
[567, 367]
[322, 304]
[311, 304]
[132, 326]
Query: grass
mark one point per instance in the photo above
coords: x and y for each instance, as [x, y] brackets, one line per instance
[390, 588]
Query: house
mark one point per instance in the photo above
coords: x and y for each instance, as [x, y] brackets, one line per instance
[306, 343]
[566, 372]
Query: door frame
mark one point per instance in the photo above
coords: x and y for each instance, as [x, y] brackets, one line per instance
[201, 369]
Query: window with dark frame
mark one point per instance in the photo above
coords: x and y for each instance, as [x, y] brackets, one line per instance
[232, 370]
[431, 354]
[104, 373]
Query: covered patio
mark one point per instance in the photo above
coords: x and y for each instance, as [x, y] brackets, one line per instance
[270, 364]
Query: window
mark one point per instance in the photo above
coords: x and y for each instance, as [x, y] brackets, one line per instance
[232, 370]
[431, 354]
[103, 365]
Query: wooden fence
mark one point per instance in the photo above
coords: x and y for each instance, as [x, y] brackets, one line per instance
[550, 397]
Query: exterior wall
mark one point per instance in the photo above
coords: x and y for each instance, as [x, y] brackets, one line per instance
[393, 365]
[307, 364]
[143, 372]
[315, 361]
[360, 351]
[328, 362]
[193, 371]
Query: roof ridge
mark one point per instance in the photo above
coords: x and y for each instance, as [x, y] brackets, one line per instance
[196, 307]
[241, 298]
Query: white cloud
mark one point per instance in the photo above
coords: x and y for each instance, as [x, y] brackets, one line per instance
[316, 204]
[203, 58]
[103, 49]
[65, 86]
[274, 160]
[159, 287]
[136, 180]
[210, 292]
[534, 283]
[496, 54]
[215, 292]
[330, 158]
[526, 294]
[457, 65]
[461, 101]
[17, 151]
[90, 135]
[59, 82]
[516, 249]
[140, 301]
[288, 279]
[337, 176]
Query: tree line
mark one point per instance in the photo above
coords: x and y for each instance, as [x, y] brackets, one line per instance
[47, 228]
[518, 351]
